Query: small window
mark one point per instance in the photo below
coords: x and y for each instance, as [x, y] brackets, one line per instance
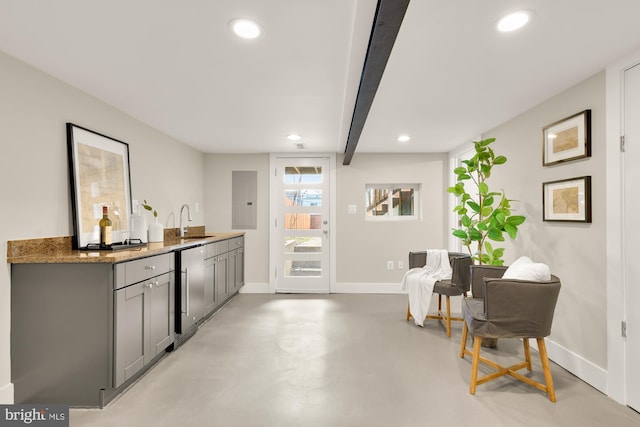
[392, 201]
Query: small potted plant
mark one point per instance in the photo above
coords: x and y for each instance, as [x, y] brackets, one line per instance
[484, 214]
[156, 229]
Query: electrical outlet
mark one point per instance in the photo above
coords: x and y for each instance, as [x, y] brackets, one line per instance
[400, 265]
[389, 265]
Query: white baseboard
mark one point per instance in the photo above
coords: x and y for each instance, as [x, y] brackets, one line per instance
[367, 288]
[339, 288]
[587, 371]
[255, 288]
[6, 394]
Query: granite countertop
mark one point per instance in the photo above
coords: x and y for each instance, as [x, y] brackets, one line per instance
[59, 249]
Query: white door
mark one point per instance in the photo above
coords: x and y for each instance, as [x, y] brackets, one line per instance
[301, 224]
[631, 231]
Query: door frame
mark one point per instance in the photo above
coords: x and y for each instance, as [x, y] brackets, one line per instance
[273, 214]
[617, 383]
[456, 156]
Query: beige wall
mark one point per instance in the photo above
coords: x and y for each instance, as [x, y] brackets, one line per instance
[218, 169]
[364, 247]
[34, 170]
[574, 251]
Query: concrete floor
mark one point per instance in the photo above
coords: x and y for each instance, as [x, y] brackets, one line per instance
[340, 360]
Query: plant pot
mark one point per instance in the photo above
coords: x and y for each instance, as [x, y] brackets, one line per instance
[489, 342]
[156, 232]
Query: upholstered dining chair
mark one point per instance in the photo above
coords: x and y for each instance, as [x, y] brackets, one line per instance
[509, 308]
[456, 286]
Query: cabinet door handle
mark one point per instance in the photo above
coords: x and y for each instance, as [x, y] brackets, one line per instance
[150, 267]
[186, 272]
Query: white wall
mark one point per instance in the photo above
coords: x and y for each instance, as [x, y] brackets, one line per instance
[218, 171]
[364, 247]
[574, 251]
[34, 108]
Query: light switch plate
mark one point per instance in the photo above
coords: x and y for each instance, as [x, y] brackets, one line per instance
[352, 209]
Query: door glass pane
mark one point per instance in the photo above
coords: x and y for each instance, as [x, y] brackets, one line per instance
[303, 174]
[297, 268]
[302, 221]
[298, 244]
[302, 197]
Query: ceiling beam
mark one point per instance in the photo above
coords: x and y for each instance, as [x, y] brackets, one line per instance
[386, 25]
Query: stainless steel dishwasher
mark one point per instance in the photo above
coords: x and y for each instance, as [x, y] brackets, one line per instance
[189, 291]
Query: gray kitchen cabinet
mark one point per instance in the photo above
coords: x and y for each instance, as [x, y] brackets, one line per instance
[216, 290]
[144, 324]
[232, 263]
[221, 282]
[210, 295]
[235, 265]
[85, 326]
[161, 314]
[82, 332]
[239, 269]
[61, 333]
[224, 272]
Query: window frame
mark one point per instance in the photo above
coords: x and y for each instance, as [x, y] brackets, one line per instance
[391, 216]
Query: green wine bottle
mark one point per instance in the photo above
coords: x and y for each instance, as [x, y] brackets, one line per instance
[106, 238]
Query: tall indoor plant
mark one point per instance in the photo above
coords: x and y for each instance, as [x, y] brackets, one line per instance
[484, 214]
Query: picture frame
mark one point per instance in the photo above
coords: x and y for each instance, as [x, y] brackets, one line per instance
[99, 175]
[567, 200]
[567, 139]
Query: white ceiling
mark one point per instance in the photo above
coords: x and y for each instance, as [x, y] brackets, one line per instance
[175, 65]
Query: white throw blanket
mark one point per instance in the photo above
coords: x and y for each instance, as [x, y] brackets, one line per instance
[418, 282]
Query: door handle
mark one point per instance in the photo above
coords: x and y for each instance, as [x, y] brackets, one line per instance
[186, 291]
[186, 271]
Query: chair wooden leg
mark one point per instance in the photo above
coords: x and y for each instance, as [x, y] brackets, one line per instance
[477, 341]
[544, 360]
[448, 319]
[439, 302]
[463, 340]
[408, 312]
[527, 353]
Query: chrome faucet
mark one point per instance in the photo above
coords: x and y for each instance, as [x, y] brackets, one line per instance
[182, 230]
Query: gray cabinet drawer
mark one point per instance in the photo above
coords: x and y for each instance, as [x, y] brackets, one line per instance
[236, 242]
[217, 248]
[138, 270]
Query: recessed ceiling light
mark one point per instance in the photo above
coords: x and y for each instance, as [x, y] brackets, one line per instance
[514, 20]
[245, 28]
[403, 138]
[294, 137]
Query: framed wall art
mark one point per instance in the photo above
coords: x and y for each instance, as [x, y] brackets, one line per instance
[567, 139]
[99, 175]
[567, 200]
